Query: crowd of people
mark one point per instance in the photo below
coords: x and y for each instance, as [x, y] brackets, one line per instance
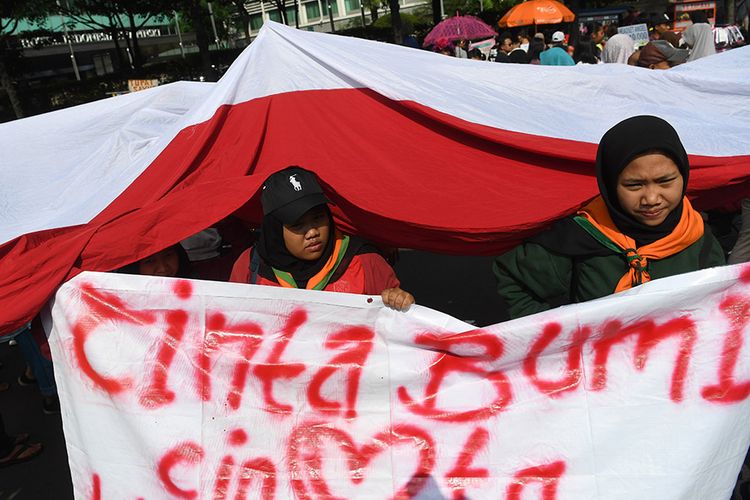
[595, 44]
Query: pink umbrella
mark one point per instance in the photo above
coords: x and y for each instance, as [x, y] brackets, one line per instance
[459, 28]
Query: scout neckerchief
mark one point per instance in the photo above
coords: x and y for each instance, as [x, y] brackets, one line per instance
[321, 279]
[594, 219]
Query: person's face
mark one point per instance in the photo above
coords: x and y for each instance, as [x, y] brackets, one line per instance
[649, 188]
[165, 263]
[597, 36]
[306, 239]
[507, 45]
[661, 28]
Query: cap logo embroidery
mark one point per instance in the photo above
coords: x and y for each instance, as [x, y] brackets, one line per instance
[295, 183]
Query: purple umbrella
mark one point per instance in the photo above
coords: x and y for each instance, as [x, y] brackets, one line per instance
[458, 28]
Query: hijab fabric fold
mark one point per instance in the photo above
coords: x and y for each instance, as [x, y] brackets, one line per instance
[622, 144]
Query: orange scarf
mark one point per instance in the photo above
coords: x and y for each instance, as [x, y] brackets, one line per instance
[594, 218]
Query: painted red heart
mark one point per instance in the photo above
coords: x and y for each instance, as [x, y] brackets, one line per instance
[306, 461]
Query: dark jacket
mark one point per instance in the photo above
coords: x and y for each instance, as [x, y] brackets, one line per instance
[532, 279]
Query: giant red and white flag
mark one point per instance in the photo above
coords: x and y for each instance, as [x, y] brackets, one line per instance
[416, 150]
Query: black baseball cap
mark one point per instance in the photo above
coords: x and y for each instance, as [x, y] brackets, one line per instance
[291, 192]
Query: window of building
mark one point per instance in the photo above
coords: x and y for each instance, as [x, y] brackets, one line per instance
[274, 16]
[334, 7]
[291, 16]
[351, 5]
[313, 11]
[256, 21]
[103, 64]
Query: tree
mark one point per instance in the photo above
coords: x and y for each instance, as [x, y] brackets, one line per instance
[138, 13]
[437, 15]
[398, 32]
[98, 14]
[373, 6]
[11, 14]
[243, 14]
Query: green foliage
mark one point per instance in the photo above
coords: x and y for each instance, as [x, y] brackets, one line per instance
[12, 11]
[407, 22]
[491, 11]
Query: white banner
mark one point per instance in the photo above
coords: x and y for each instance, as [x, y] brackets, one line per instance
[189, 389]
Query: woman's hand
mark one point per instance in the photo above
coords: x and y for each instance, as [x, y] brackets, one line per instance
[397, 299]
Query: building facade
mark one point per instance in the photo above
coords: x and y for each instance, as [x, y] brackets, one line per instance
[313, 14]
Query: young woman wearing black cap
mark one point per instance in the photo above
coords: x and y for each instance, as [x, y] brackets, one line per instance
[300, 246]
[640, 227]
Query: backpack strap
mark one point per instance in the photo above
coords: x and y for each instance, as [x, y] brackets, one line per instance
[254, 266]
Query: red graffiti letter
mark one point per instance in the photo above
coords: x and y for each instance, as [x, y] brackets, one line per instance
[187, 452]
[358, 340]
[448, 360]
[572, 377]
[649, 334]
[307, 452]
[157, 393]
[463, 474]
[103, 307]
[737, 311]
[261, 466]
[96, 493]
[249, 335]
[223, 478]
[547, 475]
[274, 368]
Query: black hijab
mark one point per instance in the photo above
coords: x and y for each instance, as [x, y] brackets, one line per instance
[273, 252]
[620, 145]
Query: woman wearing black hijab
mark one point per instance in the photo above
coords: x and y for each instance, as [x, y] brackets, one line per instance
[300, 246]
[640, 227]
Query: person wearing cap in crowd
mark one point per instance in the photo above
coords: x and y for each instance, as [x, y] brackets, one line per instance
[659, 30]
[640, 227]
[556, 55]
[660, 54]
[301, 247]
[699, 36]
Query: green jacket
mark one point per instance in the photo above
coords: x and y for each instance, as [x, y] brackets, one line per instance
[532, 279]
